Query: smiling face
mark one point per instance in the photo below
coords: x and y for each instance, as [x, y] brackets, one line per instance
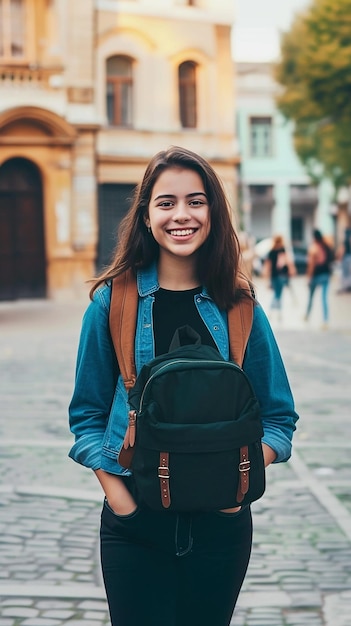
[178, 214]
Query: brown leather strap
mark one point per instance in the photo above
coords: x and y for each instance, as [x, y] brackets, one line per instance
[123, 316]
[125, 457]
[163, 474]
[126, 453]
[244, 469]
[239, 324]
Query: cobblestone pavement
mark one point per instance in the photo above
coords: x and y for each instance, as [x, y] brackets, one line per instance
[300, 571]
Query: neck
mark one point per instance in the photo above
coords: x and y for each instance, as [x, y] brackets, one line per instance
[177, 274]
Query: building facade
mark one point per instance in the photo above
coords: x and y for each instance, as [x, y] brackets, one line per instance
[277, 196]
[89, 91]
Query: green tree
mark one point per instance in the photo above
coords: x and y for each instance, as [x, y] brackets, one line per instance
[315, 77]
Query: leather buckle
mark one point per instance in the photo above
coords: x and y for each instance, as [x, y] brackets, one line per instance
[164, 475]
[163, 472]
[244, 466]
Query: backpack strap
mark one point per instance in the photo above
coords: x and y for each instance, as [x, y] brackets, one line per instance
[240, 319]
[123, 316]
[122, 319]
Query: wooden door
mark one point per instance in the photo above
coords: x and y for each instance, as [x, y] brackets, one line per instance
[22, 247]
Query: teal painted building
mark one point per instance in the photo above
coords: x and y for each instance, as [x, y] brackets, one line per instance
[276, 195]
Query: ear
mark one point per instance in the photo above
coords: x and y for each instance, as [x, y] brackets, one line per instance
[147, 221]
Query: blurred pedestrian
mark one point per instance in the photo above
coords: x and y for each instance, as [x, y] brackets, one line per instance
[344, 255]
[279, 268]
[168, 567]
[319, 268]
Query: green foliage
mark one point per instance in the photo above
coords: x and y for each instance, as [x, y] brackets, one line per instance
[315, 77]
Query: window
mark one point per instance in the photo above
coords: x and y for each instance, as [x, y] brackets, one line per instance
[187, 94]
[12, 29]
[261, 137]
[119, 70]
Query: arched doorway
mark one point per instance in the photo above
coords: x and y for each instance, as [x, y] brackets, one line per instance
[22, 248]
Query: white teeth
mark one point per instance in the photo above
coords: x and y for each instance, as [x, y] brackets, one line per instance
[180, 233]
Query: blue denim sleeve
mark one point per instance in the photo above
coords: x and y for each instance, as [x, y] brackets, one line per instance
[264, 366]
[95, 382]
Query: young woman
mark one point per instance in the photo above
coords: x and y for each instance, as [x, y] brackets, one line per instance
[163, 567]
[319, 268]
[280, 268]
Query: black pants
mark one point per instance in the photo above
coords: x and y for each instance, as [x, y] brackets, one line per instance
[169, 569]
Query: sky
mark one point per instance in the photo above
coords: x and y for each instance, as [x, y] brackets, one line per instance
[258, 23]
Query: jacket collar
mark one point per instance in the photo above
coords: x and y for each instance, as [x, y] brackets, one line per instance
[147, 282]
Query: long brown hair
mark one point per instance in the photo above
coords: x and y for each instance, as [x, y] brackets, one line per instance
[218, 258]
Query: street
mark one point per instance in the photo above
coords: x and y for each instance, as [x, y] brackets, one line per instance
[300, 570]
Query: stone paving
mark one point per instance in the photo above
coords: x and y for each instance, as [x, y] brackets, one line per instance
[300, 570]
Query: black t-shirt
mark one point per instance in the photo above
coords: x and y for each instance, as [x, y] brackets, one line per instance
[173, 309]
[278, 260]
[325, 266]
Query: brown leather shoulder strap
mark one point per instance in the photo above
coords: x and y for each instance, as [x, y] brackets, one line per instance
[239, 324]
[123, 316]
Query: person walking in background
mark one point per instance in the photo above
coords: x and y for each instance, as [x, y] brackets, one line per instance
[344, 255]
[169, 568]
[319, 268]
[279, 268]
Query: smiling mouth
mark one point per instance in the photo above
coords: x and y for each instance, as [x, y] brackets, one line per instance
[182, 232]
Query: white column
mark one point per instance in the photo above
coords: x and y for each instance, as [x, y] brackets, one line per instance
[324, 219]
[281, 215]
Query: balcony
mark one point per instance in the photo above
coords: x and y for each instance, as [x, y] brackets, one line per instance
[26, 76]
[261, 195]
[303, 194]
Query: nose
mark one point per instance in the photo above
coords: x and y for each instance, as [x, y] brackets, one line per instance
[181, 213]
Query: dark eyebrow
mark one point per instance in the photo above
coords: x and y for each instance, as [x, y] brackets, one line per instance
[196, 193]
[189, 195]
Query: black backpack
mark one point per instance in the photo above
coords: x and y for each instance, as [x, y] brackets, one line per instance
[194, 435]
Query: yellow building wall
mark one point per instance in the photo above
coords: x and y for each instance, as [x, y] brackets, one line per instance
[53, 109]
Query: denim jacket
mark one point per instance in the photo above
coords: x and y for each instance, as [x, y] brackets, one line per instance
[98, 410]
